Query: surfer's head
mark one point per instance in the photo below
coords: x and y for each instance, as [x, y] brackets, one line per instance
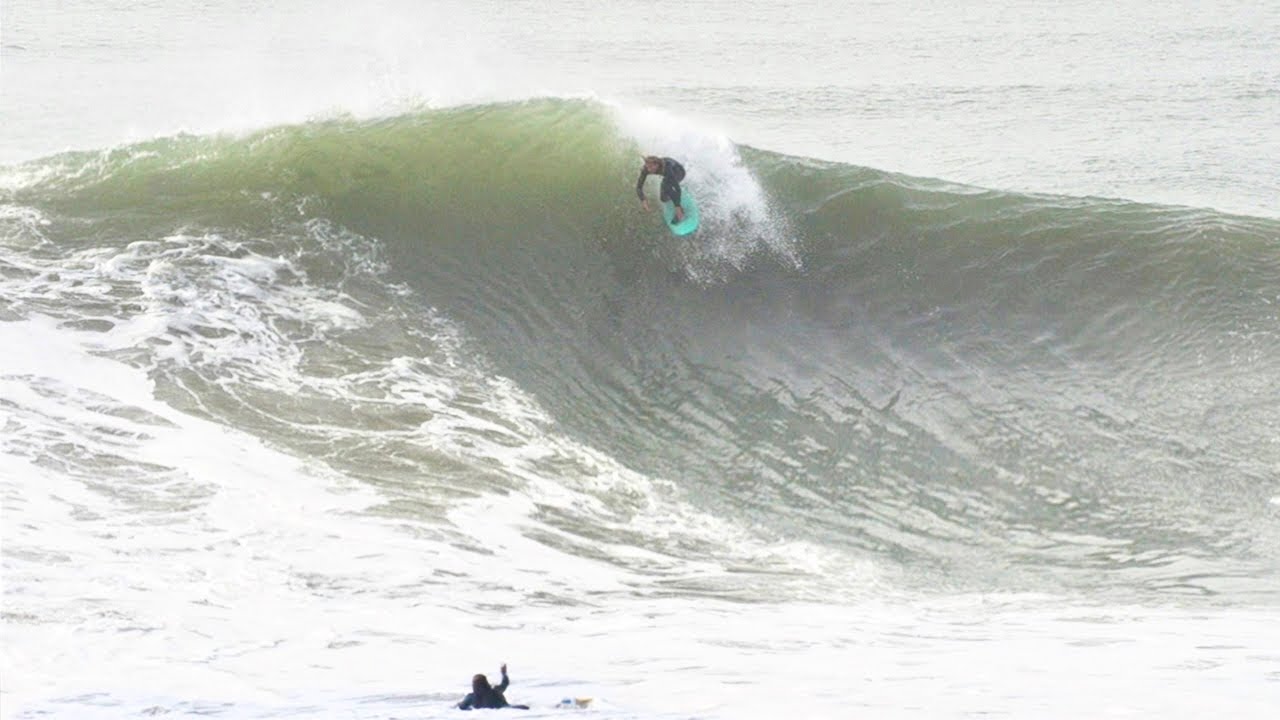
[653, 163]
[480, 685]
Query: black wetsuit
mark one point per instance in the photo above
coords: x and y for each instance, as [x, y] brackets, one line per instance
[490, 699]
[672, 174]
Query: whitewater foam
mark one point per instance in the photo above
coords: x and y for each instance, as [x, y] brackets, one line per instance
[236, 327]
[739, 219]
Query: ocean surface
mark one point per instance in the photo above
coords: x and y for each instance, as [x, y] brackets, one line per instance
[338, 361]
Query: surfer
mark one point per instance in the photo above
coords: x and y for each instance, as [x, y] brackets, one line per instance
[484, 695]
[672, 173]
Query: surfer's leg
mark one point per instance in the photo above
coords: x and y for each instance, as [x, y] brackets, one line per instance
[670, 191]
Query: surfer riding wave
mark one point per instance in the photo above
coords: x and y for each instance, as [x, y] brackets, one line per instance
[672, 173]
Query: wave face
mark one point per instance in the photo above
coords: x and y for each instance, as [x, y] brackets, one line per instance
[965, 388]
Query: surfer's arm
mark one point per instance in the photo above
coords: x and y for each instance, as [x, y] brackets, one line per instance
[506, 681]
[640, 184]
[467, 702]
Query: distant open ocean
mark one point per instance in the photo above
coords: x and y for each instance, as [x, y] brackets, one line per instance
[339, 362]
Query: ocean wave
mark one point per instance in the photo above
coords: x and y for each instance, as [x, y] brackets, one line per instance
[887, 366]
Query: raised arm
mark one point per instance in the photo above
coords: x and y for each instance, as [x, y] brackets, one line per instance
[502, 686]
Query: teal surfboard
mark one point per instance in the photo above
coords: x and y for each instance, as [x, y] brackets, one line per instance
[690, 221]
